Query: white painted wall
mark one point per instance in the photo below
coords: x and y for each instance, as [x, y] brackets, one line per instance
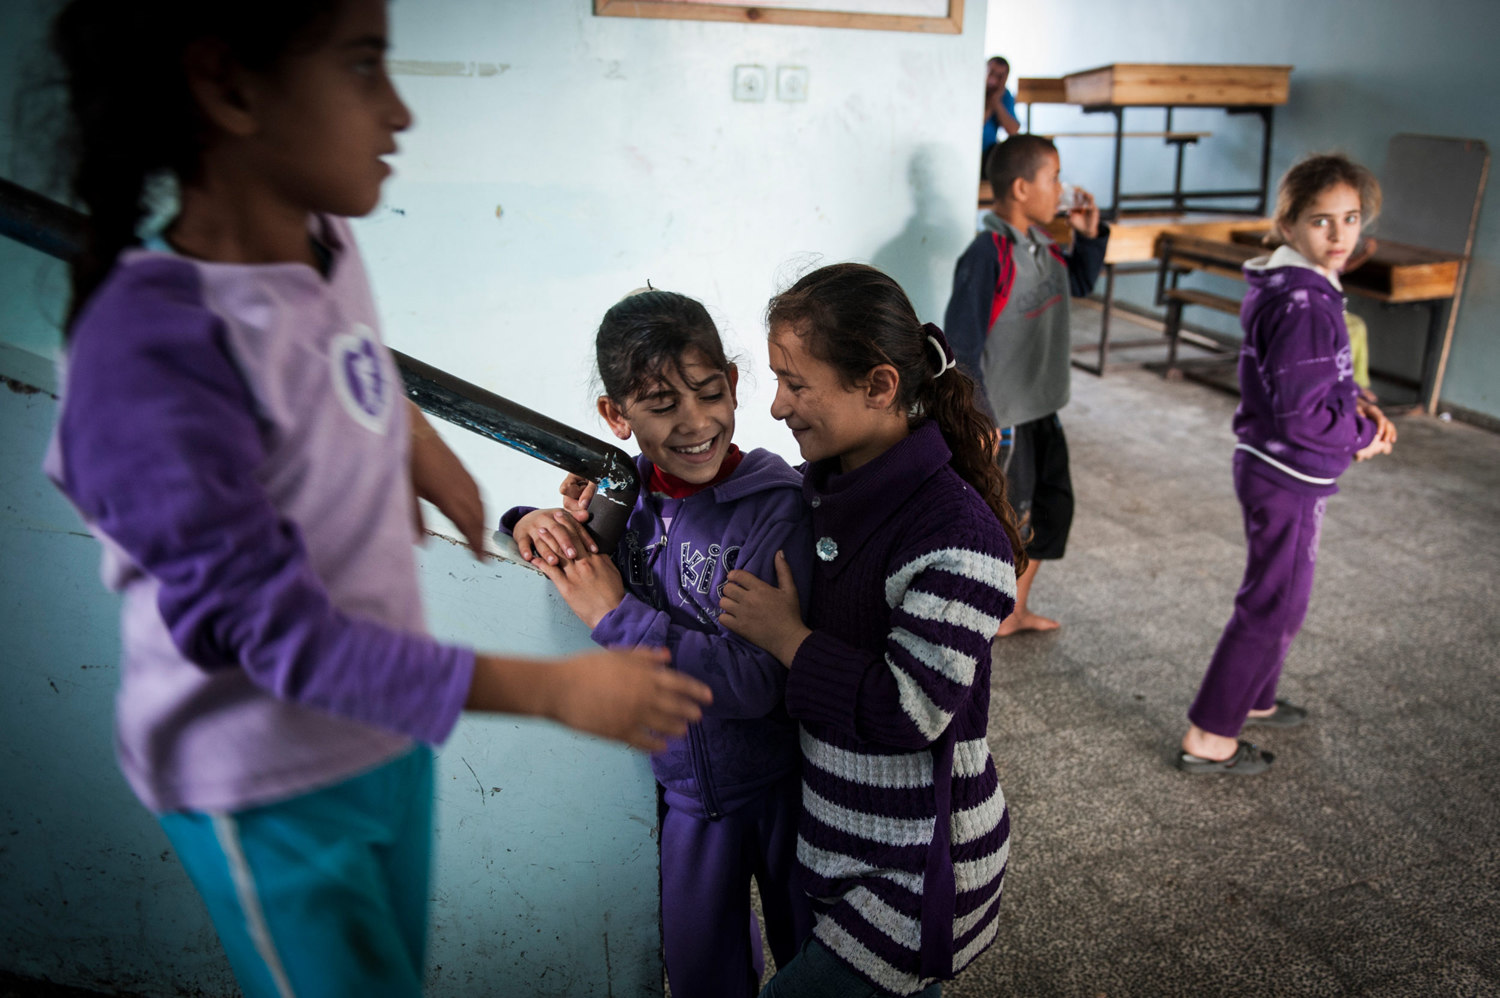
[615, 153]
[1364, 71]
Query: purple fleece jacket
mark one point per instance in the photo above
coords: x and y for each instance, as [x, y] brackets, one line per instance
[674, 558]
[1297, 410]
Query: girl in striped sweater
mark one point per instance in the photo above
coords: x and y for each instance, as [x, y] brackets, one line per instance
[904, 834]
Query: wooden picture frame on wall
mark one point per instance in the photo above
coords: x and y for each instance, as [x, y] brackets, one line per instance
[937, 17]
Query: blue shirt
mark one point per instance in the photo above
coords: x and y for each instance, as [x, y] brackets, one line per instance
[992, 123]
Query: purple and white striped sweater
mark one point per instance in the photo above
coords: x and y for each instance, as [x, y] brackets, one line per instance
[892, 690]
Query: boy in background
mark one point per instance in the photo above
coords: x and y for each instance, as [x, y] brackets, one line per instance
[1008, 324]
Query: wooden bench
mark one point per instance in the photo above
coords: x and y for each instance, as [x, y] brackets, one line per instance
[1179, 254]
[1395, 274]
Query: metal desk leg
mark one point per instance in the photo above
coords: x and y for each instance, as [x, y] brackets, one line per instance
[1109, 305]
[1265, 158]
[1431, 353]
[1178, 204]
[1114, 204]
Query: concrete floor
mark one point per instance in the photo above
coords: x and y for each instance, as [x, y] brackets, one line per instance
[1367, 861]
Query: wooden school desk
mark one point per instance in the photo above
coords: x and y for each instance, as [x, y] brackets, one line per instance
[1139, 219]
[1396, 274]
[1434, 187]
[1111, 89]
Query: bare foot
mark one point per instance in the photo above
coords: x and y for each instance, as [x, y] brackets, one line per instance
[1025, 620]
[1261, 713]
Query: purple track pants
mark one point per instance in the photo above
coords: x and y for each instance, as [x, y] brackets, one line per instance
[1281, 530]
[706, 868]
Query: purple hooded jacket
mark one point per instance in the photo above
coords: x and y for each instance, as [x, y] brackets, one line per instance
[1297, 410]
[674, 558]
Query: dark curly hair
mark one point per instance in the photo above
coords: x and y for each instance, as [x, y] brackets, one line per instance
[646, 334]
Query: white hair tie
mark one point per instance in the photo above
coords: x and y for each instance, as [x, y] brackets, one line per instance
[946, 361]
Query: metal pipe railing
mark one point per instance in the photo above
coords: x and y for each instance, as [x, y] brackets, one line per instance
[57, 230]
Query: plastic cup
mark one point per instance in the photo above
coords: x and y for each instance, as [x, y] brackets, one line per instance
[1068, 199]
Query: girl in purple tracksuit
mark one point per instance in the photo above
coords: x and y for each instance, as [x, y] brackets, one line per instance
[1300, 421]
[731, 786]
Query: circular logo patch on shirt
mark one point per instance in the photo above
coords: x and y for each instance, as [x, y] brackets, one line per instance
[361, 380]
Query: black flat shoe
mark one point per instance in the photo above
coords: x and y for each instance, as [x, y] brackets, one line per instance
[1284, 716]
[1248, 760]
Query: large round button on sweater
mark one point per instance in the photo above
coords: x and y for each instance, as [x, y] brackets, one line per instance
[827, 549]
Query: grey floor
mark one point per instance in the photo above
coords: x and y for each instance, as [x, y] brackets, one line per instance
[1367, 861]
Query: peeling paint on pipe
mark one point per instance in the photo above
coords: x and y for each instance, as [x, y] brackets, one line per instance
[528, 431]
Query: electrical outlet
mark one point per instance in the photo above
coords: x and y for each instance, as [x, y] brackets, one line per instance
[791, 83]
[749, 83]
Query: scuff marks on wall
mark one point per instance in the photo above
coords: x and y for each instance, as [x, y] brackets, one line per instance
[428, 67]
[22, 388]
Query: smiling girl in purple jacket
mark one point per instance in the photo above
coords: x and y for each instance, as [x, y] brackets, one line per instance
[1300, 422]
[731, 785]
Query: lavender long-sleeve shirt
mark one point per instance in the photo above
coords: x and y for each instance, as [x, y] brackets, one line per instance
[236, 437]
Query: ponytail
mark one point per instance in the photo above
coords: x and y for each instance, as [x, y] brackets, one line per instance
[856, 318]
[949, 398]
[131, 115]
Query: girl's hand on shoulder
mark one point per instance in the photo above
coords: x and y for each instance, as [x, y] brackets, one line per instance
[630, 696]
[590, 585]
[551, 535]
[763, 614]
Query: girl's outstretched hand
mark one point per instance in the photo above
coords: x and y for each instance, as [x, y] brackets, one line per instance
[438, 476]
[551, 535]
[763, 614]
[590, 584]
[628, 696]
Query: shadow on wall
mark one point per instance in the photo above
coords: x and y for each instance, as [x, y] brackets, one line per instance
[921, 256]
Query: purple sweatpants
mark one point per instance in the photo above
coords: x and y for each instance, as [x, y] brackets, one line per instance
[1281, 530]
[706, 868]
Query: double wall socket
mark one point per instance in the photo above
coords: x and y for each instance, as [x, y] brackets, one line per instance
[752, 83]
